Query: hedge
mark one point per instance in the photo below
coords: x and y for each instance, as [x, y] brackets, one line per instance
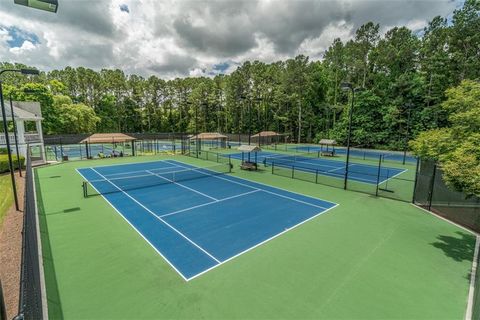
[4, 162]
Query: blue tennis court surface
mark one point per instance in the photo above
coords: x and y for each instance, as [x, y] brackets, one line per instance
[369, 154]
[356, 171]
[204, 220]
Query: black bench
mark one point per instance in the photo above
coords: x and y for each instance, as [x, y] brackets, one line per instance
[328, 153]
[248, 165]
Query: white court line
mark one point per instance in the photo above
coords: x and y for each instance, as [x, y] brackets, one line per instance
[261, 243]
[125, 164]
[251, 181]
[245, 251]
[209, 203]
[473, 273]
[156, 216]
[271, 192]
[393, 175]
[134, 228]
[183, 186]
[128, 172]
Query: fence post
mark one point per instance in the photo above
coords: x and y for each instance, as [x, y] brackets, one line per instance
[432, 184]
[378, 174]
[416, 178]
[3, 309]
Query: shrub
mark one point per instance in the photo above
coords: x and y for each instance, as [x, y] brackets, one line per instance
[3, 150]
[4, 162]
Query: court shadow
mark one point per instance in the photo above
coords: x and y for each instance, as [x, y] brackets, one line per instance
[458, 248]
[69, 210]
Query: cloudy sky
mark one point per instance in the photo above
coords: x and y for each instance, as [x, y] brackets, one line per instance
[172, 38]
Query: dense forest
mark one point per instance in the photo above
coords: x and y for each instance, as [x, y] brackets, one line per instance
[399, 72]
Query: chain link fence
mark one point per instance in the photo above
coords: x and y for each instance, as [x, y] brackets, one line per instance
[432, 193]
[31, 278]
[372, 177]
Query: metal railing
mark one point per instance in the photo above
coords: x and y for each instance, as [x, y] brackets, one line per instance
[31, 291]
[32, 137]
[11, 136]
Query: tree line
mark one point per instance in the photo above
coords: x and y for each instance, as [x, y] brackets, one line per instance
[400, 72]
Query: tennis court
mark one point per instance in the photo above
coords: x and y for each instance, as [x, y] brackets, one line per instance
[359, 153]
[198, 218]
[308, 163]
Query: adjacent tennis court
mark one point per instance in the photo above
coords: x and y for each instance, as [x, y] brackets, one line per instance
[198, 218]
[356, 171]
[359, 153]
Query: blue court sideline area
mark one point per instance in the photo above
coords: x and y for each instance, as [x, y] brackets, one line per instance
[202, 222]
[356, 171]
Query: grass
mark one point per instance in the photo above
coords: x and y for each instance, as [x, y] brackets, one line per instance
[6, 195]
[371, 258]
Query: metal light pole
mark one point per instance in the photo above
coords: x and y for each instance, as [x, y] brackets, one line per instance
[5, 129]
[409, 107]
[15, 135]
[348, 86]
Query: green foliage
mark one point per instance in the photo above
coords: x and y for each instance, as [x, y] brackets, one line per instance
[456, 147]
[402, 73]
[4, 162]
[73, 118]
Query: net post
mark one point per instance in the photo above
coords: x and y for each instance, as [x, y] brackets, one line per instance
[293, 172]
[378, 174]
[84, 186]
[273, 164]
[316, 176]
[230, 166]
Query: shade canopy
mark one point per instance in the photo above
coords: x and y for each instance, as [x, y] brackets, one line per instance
[328, 142]
[108, 138]
[249, 148]
[266, 134]
[208, 136]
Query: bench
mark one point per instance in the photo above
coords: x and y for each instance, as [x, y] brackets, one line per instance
[328, 153]
[248, 165]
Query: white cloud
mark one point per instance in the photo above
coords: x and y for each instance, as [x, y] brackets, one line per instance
[189, 37]
[26, 46]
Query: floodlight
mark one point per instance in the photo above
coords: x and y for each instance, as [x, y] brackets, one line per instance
[45, 5]
[29, 71]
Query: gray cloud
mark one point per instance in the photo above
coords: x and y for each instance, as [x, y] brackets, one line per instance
[171, 37]
[174, 64]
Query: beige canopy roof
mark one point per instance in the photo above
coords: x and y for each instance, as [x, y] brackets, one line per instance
[266, 134]
[107, 138]
[208, 136]
[328, 142]
[249, 148]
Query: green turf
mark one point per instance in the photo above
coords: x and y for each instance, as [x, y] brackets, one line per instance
[369, 258]
[6, 196]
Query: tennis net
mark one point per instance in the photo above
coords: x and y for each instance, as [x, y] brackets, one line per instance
[290, 159]
[150, 178]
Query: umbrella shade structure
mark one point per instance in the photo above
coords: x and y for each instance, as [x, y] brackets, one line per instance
[108, 138]
[212, 139]
[266, 137]
[247, 162]
[329, 147]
